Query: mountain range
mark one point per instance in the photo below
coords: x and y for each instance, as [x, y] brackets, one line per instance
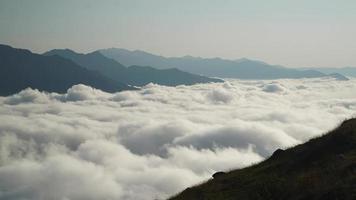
[20, 69]
[213, 67]
[59, 69]
[133, 75]
[323, 168]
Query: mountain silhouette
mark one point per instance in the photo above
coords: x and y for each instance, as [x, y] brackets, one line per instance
[322, 168]
[133, 75]
[212, 67]
[346, 71]
[20, 69]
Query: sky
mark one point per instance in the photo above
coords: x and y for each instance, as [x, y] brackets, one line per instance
[303, 33]
[152, 143]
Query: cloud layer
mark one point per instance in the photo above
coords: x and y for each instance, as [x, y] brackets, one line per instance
[152, 143]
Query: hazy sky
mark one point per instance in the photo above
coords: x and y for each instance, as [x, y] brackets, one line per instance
[293, 33]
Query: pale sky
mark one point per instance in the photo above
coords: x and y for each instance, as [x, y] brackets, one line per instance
[298, 33]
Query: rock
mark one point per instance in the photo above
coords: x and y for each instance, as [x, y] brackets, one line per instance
[218, 175]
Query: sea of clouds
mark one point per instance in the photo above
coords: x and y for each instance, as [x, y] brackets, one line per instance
[152, 143]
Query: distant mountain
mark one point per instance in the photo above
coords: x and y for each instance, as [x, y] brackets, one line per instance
[323, 168]
[20, 69]
[134, 75]
[338, 76]
[213, 67]
[137, 57]
[346, 71]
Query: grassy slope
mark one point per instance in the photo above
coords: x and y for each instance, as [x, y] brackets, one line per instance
[322, 168]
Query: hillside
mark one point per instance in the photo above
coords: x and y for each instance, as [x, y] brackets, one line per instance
[212, 67]
[322, 168]
[21, 68]
[134, 75]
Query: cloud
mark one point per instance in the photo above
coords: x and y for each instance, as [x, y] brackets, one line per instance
[155, 137]
[57, 177]
[82, 92]
[216, 159]
[273, 88]
[220, 95]
[27, 96]
[154, 142]
[264, 139]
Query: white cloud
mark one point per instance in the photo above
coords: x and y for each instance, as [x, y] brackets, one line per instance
[220, 95]
[82, 92]
[264, 139]
[273, 88]
[154, 142]
[57, 177]
[27, 96]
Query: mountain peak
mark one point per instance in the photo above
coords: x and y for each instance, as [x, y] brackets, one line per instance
[60, 52]
[244, 60]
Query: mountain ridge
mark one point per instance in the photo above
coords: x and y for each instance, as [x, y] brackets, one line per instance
[132, 75]
[212, 67]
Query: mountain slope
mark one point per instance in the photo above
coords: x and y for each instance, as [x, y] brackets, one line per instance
[134, 75]
[20, 69]
[213, 67]
[322, 168]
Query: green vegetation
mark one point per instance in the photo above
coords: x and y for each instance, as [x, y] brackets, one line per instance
[322, 168]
